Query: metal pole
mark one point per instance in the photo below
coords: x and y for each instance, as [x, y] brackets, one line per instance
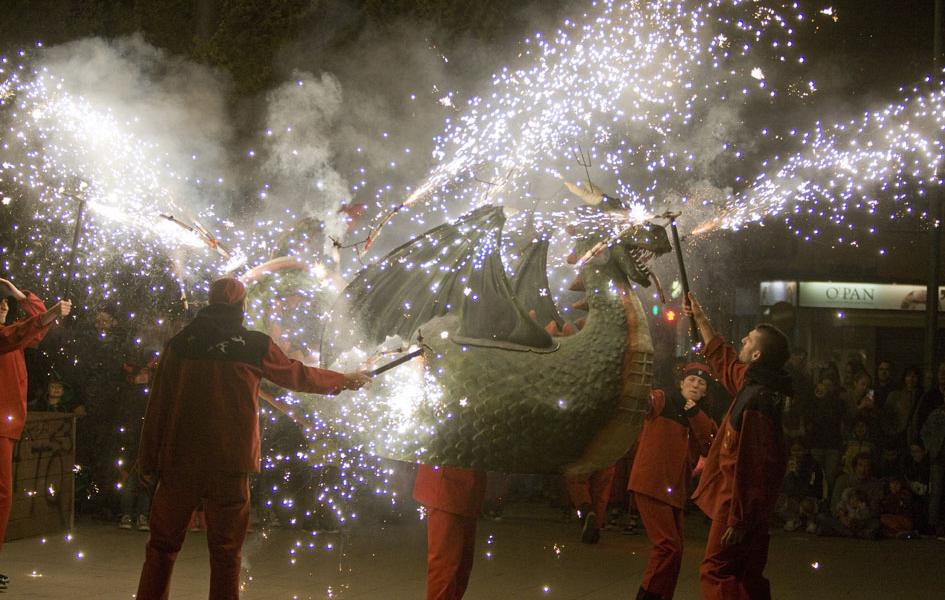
[935, 217]
[684, 279]
[76, 235]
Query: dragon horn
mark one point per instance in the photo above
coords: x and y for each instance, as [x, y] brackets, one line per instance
[591, 194]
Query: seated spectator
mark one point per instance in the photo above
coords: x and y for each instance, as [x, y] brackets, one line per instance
[858, 443]
[897, 512]
[888, 463]
[854, 507]
[804, 490]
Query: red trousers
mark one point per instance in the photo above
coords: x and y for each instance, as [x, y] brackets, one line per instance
[735, 573]
[664, 527]
[593, 489]
[226, 510]
[6, 483]
[451, 547]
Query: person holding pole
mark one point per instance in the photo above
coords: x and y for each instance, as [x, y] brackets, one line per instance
[747, 461]
[14, 337]
[200, 439]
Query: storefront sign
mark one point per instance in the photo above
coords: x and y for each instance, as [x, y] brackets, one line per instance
[875, 296]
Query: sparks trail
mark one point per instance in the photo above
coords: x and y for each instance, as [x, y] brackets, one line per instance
[875, 166]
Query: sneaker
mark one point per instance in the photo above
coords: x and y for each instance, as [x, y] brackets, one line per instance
[630, 530]
[812, 527]
[143, 523]
[4, 582]
[792, 525]
[125, 522]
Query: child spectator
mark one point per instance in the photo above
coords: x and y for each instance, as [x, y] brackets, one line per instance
[60, 398]
[896, 513]
[859, 443]
[846, 515]
[804, 489]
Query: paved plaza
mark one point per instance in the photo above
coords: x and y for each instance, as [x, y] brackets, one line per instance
[531, 553]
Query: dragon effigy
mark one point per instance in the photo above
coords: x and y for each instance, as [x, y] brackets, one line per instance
[516, 396]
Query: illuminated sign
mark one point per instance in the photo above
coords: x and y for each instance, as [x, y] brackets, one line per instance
[870, 296]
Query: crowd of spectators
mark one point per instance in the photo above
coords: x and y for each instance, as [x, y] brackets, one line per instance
[866, 451]
[99, 368]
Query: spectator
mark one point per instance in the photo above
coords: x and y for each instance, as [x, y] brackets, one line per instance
[801, 399]
[851, 368]
[134, 495]
[896, 512]
[933, 438]
[884, 383]
[859, 443]
[899, 406]
[930, 400]
[915, 471]
[855, 502]
[804, 490]
[58, 397]
[861, 405]
[823, 425]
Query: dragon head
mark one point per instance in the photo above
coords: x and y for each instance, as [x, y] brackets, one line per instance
[608, 235]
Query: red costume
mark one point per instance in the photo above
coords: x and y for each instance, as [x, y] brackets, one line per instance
[743, 475]
[201, 435]
[670, 445]
[453, 500]
[13, 385]
[590, 494]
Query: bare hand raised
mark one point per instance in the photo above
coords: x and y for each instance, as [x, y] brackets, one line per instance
[356, 380]
[60, 309]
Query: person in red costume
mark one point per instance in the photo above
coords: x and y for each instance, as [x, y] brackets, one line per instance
[200, 438]
[453, 500]
[14, 337]
[590, 494]
[675, 434]
[746, 464]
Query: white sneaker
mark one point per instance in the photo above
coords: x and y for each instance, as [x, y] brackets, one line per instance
[811, 527]
[143, 523]
[125, 522]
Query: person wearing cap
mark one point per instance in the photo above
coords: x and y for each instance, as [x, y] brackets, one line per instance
[746, 465]
[14, 337]
[200, 438]
[676, 432]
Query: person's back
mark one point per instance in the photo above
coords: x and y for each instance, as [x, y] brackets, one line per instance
[200, 438]
[217, 365]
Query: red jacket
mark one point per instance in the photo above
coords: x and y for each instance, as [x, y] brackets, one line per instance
[13, 384]
[747, 461]
[203, 409]
[670, 445]
[451, 489]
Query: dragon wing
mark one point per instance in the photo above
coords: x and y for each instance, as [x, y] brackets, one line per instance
[455, 268]
[530, 283]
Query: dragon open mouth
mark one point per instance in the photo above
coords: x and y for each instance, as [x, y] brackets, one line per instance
[641, 258]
